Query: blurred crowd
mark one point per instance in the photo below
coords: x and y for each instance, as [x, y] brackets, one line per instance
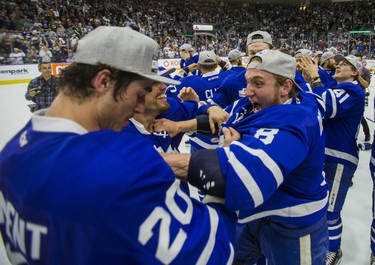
[37, 30]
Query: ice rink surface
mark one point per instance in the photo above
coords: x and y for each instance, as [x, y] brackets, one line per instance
[356, 216]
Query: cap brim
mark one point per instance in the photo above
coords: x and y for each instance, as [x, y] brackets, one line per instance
[297, 85]
[166, 71]
[162, 79]
[362, 82]
[339, 58]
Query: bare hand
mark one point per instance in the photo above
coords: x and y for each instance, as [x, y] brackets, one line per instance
[309, 68]
[230, 135]
[188, 93]
[192, 67]
[216, 116]
[179, 164]
[32, 92]
[166, 125]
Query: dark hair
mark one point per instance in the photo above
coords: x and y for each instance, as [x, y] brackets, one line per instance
[208, 67]
[76, 80]
[40, 64]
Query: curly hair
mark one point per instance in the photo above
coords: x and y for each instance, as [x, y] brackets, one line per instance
[76, 80]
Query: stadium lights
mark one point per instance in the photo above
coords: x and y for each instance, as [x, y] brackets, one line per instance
[359, 31]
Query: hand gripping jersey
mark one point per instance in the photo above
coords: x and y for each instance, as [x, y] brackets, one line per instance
[162, 142]
[345, 104]
[69, 196]
[275, 169]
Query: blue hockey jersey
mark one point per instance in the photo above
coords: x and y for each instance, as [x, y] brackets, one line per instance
[69, 196]
[232, 88]
[276, 168]
[327, 77]
[345, 104]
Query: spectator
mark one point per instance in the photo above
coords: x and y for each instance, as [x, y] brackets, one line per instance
[17, 56]
[45, 55]
[43, 89]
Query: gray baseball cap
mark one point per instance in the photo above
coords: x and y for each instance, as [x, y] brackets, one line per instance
[275, 62]
[353, 60]
[207, 58]
[186, 47]
[259, 36]
[326, 56]
[123, 49]
[304, 53]
[234, 54]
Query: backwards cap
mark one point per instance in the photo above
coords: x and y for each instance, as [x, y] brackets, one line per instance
[326, 56]
[207, 58]
[123, 49]
[234, 54]
[353, 60]
[259, 36]
[186, 47]
[275, 62]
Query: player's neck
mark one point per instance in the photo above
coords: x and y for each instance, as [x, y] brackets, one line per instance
[81, 113]
[147, 119]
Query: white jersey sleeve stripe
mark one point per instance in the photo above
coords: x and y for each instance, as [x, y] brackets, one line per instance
[247, 180]
[203, 144]
[334, 105]
[207, 251]
[299, 210]
[231, 257]
[267, 161]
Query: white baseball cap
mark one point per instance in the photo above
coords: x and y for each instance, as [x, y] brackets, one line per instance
[123, 49]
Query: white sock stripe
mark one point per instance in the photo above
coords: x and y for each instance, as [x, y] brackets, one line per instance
[331, 228]
[335, 237]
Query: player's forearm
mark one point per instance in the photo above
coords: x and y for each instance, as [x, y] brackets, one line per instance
[187, 126]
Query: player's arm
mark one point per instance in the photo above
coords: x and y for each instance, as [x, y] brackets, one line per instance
[206, 124]
[202, 168]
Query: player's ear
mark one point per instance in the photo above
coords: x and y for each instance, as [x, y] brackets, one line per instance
[39, 66]
[286, 87]
[102, 80]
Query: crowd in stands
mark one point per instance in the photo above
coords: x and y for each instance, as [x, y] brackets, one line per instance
[37, 30]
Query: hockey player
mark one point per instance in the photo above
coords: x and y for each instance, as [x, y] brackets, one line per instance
[205, 87]
[233, 86]
[344, 109]
[273, 174]
[74, 190]
[327, 69]
[188, 57]
[235, 59]
[158, 105]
